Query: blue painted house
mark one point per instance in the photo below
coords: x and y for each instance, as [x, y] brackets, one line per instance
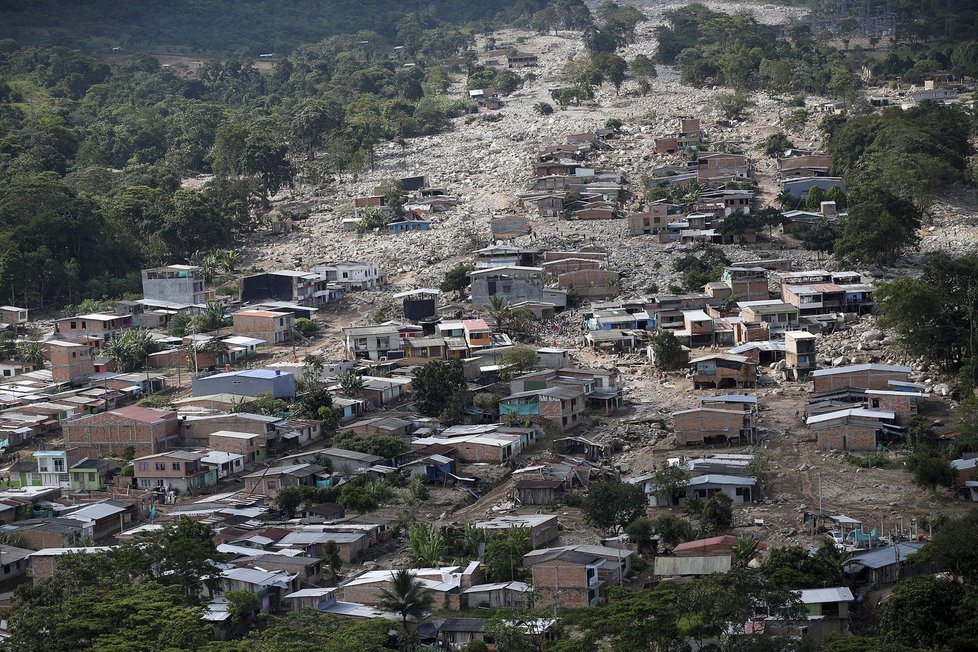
[408, 225]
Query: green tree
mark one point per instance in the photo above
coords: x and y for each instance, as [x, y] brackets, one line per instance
[634, 620]
[504, 555]
[351, 383]
[613, 505]
[821, 237]
[385, 446]
[952, 547]
[307, 327]
[309, 403]
[669, 482]
[519, 360]
[733, 106]
[672, 529]
[435, 383]
[776, 144]
[408, 597]
[31, 351]
[313, 631]
[242, 604]
[265, 403]
[666, 350]
[131, 349]
[920, 612]
[498, 310]
[426, 545]
[288, 500]
[930, 470]
[331, 556]
[643, 67]
[456, 279]
[717, 515]
[182, 553]
[745, 550]
[640, 532]
[878, 227]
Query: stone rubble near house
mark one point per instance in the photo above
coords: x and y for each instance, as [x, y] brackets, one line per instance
[486, 166]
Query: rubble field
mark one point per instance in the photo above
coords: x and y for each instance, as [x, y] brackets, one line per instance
[487, 165]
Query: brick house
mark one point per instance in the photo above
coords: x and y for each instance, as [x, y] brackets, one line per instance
[180, 470]
[575, 576]
[268, 482]
[862, 376]
[147, 430]
[41, 564]
[651, 222]
[312, 540]
[854, 429]
[248, 444]
[719, 370]
[69, 360]
[710, 425]
[272, 326]
[445, 584]
[747, 283]
[104, 327]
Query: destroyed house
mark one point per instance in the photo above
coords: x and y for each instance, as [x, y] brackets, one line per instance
[710, 425]
[561, 406]
[721, 370]
[514, 284]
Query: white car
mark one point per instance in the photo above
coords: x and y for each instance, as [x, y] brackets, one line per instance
[836, 537]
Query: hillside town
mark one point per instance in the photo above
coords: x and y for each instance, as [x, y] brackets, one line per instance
[561, 359]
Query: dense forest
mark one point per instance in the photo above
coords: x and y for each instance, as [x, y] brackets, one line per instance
[219, 26]
[92, 153]
[736, 50]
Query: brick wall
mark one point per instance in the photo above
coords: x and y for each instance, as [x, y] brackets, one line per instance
[694, 427]
[868, 379]
[561, 582]
[102, 434]
[850, 437]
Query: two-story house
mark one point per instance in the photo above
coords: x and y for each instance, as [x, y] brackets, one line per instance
[372, 342]
[351, 274]
[561, 406]
[174, 470]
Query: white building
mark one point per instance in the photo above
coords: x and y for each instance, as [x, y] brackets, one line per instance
[351, 274]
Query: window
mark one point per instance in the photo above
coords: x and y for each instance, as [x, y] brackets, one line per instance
[270, 485]
[74, 325]
[161, 466]
[91, 477]
[144, 466]
[176, 466]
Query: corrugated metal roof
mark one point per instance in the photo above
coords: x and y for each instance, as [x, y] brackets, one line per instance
[885, 556]
[833, 594]
[668, 566]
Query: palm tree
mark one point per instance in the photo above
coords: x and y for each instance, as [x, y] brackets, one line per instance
[498, 309]
[350, 383]
[744, 550]
[408, 597]
[228, 259]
